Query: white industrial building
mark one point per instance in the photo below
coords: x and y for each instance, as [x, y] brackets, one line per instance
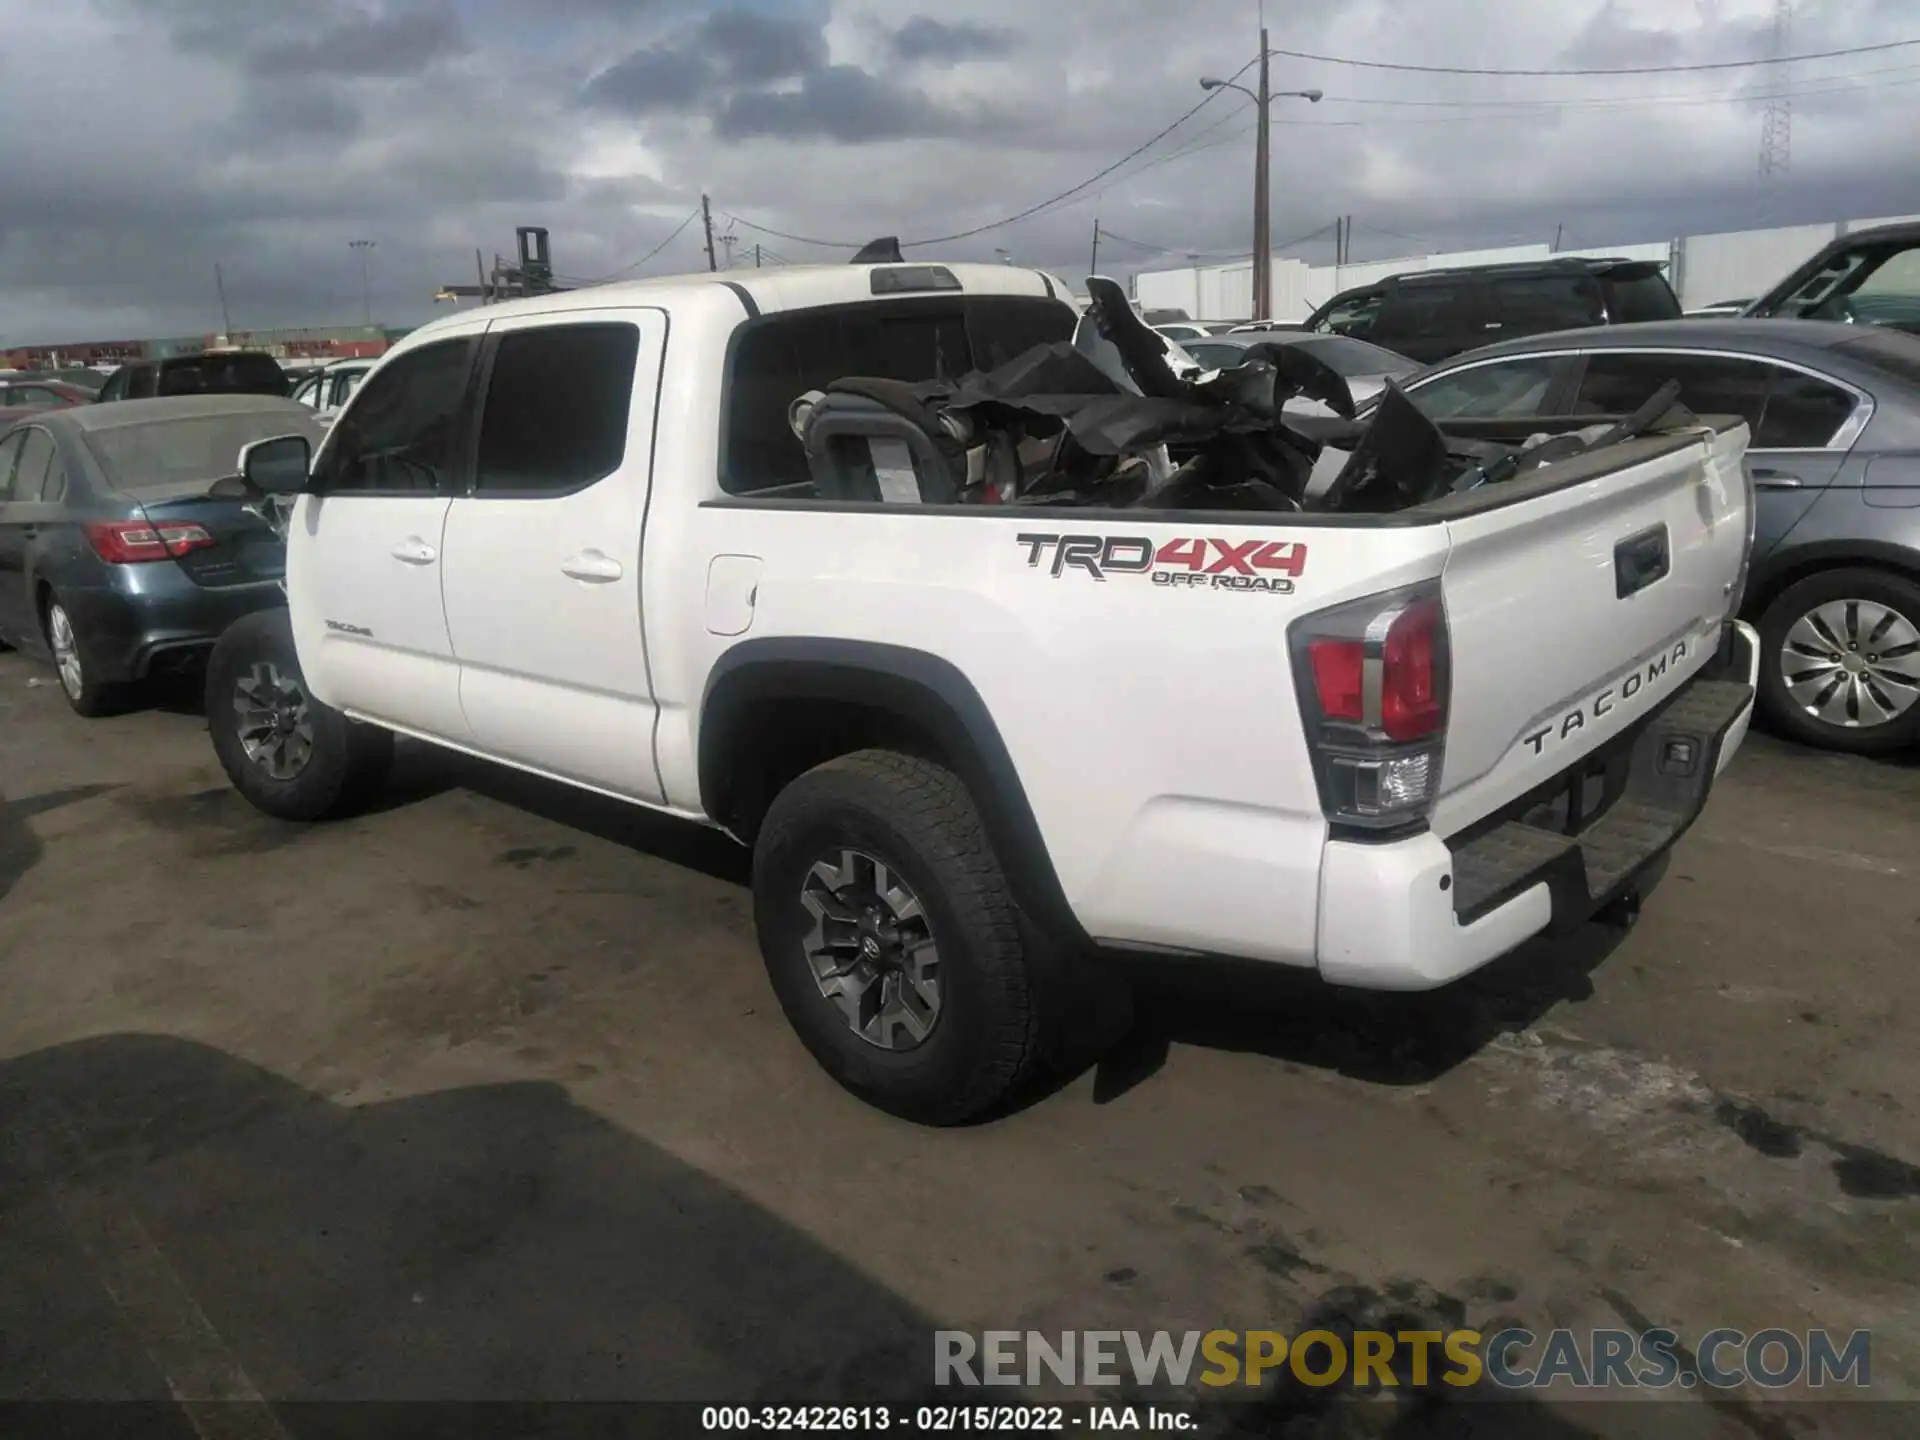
[1704, 270]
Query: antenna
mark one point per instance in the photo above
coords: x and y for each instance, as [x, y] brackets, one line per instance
[1776, 126]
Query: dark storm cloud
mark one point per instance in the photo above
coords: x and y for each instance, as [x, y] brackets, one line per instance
[396, 42]
[843, 103]
[650, 81]
[924, 38]
[758, 49]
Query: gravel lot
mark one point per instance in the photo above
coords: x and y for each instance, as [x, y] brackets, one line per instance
[485, 1096]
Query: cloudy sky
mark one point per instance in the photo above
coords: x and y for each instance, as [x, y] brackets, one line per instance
[147, 140]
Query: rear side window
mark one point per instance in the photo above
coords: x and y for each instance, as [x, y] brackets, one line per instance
[1535, 304]
[1647, 297]
[400, 435]
[1803, 413]
[9, 461]
[1618, 384]
[556, 408]
[778, 359]
[36, 454]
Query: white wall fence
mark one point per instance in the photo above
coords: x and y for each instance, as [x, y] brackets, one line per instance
[1704, 269]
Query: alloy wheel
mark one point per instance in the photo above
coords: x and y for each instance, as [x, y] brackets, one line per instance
[872, 950]
[275, 720]
[66, 652]
[1852, 663]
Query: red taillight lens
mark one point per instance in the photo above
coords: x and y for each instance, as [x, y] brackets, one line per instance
[1373, 680]
[1338, 666]
[1412, 706]
[134, 542]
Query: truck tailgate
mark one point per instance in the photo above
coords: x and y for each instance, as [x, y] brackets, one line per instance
[1576, 612]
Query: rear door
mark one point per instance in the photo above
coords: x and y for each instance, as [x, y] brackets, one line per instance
[364, 559]
[1574, 611]
[542, 569]
[1801, 422]
[1430, 320]
[16, 604]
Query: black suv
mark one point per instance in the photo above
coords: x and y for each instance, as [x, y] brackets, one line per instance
[1430, 315]
[217, 372]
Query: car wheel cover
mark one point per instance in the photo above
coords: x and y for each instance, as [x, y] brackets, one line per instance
[1852, 664]
[871, 950]
[274, 720]
[66, 652]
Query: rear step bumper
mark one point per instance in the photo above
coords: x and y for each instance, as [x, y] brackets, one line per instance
[1421, 912]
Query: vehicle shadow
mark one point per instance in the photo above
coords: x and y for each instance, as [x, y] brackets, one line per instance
[175, 1212]
[1382, 1038]
[20, 848]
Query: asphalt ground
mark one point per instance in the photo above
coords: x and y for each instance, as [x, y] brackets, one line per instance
[483, 1096]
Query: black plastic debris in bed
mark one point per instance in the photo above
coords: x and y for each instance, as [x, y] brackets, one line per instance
[1123, 418]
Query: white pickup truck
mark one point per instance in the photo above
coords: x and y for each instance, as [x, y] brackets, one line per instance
[586, 535]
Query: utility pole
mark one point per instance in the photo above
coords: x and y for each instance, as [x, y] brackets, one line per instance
[1776, 126]
[706, 219]
[1262, 215]
[364, 248]
[220, 285]
[1093, 265]
[756, 257]
[1558, 231]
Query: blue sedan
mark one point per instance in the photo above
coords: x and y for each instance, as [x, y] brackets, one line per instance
[115, 564]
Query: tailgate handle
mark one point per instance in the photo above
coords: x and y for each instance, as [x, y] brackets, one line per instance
[1641, 560]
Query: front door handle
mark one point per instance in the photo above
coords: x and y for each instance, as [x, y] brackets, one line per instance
[1775, 480]
[592, 566]
[415, 551]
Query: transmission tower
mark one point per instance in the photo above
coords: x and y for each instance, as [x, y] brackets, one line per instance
[1776, 126]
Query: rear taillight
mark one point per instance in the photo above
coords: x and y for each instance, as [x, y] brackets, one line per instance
[1373, 680]
[134, 542]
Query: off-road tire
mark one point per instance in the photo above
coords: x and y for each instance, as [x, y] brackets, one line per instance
[1781, 711]
[987, 1044]
[348, 761]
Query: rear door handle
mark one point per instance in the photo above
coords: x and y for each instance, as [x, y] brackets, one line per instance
[592, 566]
[1775, 480]
[415, 551]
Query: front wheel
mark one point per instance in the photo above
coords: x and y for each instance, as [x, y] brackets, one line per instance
[892, 941]
[290, 755]
[1840, 661]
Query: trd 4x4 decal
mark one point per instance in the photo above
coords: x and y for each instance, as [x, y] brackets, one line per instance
[1270, 566]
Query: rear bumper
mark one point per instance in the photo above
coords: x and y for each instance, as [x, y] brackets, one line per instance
[165, 626]
[1417, 913]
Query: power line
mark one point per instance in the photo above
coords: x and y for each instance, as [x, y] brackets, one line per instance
[1814, 85]
[1611, 70]
[601, 280]
[1068, 194]
[797, 239]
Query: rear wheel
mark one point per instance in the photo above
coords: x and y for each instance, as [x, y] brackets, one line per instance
[74, 659]
[1840, 661]
[891, 938]
[289, 754]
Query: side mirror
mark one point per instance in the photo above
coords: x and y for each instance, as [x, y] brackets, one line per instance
[278, 466]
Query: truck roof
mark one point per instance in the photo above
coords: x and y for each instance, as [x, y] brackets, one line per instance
[787, 287]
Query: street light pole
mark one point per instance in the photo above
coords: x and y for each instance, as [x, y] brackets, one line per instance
[1262, 200]
[363, 247]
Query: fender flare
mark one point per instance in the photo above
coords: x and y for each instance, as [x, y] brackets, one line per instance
[930, 693]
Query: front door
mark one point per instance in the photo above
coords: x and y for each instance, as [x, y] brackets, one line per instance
[542, 572]
[364, 568]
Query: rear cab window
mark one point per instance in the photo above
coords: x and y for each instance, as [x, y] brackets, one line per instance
[781, 356]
